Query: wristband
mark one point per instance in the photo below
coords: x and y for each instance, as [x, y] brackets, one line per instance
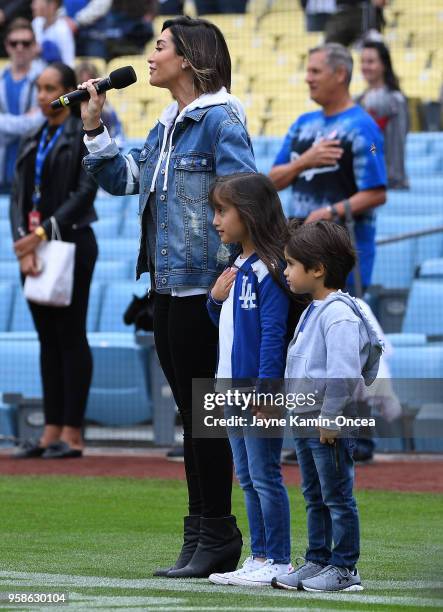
[95, 132]
[334, 213]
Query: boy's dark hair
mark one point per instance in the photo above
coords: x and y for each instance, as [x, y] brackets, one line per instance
[323, 242]
[204, 46]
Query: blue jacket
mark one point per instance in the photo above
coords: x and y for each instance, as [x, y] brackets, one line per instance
[260, 314]
[181, 157]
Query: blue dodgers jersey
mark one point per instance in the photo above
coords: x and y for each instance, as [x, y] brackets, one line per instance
[361, 167]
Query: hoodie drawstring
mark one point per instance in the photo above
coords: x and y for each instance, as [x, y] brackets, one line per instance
[159, 161]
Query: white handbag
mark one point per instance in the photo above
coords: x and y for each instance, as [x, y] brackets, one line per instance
[53, 286]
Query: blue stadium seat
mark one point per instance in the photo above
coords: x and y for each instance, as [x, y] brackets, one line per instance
[108, 207]
[405, 339]
[5, 228]
[404, 203]
[109, 271]
[426, 184]
[422, 166]
[6, 250]
[275, 144]
[131, 207]
[10, 272]
[118, 394]
[417, 374]
[394, 265]
[437, 145]
[417, 148]
[107, 228]
[424, 308]
[117, 248]
[4, 207]
[21, 315]
[431, 268]
[117, 298]
[6, 301]
[264, 164]
[20, 368]
[286, 199]
[425, 247]
[131, 228]
[94, 306]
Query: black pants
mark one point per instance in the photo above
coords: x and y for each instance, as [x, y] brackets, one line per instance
[65, 356]
[186, 342]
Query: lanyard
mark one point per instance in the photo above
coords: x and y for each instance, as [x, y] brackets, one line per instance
[42, 153]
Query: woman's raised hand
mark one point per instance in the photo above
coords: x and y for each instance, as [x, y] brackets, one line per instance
[92, 108]
[222, 287]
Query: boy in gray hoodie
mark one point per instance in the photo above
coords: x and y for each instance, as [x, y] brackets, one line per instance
[334, 350]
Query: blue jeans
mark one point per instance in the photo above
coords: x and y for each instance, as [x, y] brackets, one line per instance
[258, 469]
[327, 479]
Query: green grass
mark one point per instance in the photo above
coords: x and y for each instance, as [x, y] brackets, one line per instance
[124, 529]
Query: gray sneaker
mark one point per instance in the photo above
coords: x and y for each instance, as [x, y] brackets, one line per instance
[333, 579]
[292, 581]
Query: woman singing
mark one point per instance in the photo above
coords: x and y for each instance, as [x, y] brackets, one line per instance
[199, 136]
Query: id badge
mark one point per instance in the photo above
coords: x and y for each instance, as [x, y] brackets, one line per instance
[34, 219]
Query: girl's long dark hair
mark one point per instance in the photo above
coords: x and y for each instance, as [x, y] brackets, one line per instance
[259, 207]
[391, 79]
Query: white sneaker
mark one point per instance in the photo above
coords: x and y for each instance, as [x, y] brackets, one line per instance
[249, 565]
[263, 575]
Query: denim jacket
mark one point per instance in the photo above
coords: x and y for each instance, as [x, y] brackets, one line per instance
[181, 157]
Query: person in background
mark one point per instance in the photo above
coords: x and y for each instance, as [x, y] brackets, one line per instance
[88, 70]
[385, 102]
[18, 104]
[317, 12]
[52, 33]
[333, 158]
[354, 19]
[50, 184]
[212, 7]
[170, 7]
[129, 27]
[9, 11]
[87, 19]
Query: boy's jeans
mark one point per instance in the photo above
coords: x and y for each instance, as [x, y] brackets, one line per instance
[258, 469]
[327, 480]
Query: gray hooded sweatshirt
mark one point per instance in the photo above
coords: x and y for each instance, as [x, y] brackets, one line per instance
[337, 350]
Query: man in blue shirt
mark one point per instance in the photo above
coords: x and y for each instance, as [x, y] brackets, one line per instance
[334, 156]
[18, 104]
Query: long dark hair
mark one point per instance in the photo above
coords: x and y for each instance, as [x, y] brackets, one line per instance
[391, 79]
[69, 81]
[259, 207]
[204, 46]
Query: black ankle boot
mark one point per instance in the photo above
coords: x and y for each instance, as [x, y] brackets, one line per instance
[191, 534]
[219, 549]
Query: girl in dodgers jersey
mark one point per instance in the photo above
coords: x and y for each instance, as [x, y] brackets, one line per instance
[250, 305]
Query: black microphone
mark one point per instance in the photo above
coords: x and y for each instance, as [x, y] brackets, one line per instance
[118, 79]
